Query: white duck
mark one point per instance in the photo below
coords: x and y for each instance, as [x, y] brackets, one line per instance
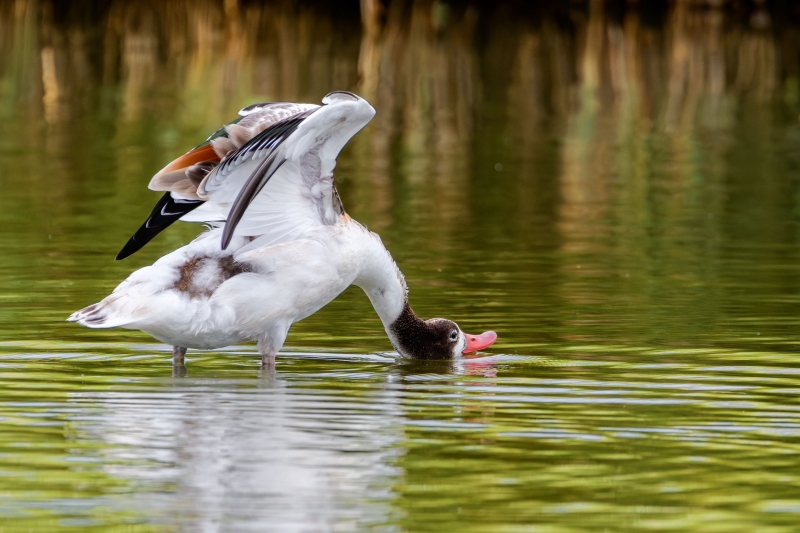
[286, 250]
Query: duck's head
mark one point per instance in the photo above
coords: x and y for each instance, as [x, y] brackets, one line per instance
[436, 338]
[447, 341]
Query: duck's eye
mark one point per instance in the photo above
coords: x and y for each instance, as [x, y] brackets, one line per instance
[453, 335]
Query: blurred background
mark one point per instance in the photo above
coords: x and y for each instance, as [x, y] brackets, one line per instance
[612, 186]
[653, 142]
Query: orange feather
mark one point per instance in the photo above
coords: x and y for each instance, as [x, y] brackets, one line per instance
[201, 153]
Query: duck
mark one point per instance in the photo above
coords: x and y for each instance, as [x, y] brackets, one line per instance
[278, 244]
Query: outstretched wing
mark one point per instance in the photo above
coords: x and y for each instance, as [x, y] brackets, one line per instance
[261, 157]
[180, 178]
[280, 183]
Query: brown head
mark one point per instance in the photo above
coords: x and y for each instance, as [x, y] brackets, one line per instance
[437, 338]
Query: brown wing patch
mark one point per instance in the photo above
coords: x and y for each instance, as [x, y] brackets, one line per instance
[201, 276]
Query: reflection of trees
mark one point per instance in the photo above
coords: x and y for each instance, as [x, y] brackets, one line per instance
[420, 70]
[429, 67]
[600, 116]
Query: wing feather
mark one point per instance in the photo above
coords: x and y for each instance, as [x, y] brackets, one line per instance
[181, 177]
[269, 172]
[263, 150]
[166, 211]
[287, 171]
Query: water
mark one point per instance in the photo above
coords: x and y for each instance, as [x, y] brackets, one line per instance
[617, 195]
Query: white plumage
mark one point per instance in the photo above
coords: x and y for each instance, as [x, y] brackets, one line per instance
[291, 249]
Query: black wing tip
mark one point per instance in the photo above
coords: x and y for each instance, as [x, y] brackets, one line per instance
[137, 241]
[157, 222]
[130, 248]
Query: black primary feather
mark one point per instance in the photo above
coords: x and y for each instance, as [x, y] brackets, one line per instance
[166, 211]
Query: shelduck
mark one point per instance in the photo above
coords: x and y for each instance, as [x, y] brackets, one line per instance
[279, 245]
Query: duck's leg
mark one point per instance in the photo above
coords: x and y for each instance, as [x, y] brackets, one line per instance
[268, 353]
[269, 345]
[178, 355]
[178, 362]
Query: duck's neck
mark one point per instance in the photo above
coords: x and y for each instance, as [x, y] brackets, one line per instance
[387, 290]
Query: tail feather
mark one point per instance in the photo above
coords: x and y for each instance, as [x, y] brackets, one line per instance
[100, 315]
[91, 316]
